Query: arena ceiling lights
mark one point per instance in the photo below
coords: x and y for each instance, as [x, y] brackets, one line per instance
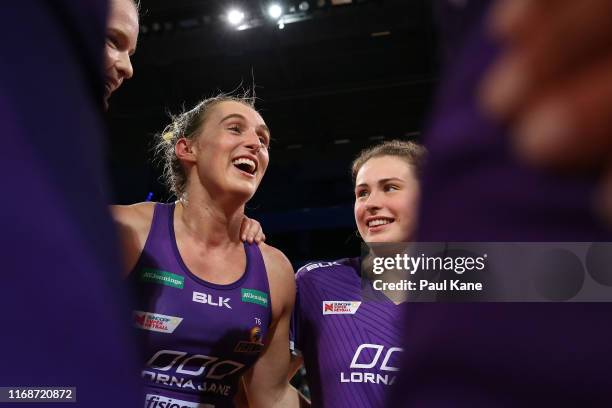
[235, 16]
[277, 12]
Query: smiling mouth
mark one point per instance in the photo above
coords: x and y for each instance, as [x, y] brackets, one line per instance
[108, 89]
[245, 165]
[379, 222]
[111, 85]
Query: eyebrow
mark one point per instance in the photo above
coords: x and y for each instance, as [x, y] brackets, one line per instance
[239, 116]
[381, 181]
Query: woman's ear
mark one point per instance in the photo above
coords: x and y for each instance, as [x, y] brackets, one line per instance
[184, 150]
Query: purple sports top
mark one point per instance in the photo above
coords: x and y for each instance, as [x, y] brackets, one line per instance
[347, 333]
[198, 337]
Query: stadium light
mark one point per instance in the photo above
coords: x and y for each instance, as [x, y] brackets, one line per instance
[275, 11]
[235, 17]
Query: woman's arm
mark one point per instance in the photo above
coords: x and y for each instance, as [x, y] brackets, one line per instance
[267, 383]
[133, 224]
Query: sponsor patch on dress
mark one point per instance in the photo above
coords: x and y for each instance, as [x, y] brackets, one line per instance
[162, 277]
[154, 400]
[156, 322]
[340, 307]
[254, 296]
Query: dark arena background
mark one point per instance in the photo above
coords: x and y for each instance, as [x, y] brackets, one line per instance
[331, 76]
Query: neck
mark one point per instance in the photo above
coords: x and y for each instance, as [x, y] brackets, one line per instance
[209, 222]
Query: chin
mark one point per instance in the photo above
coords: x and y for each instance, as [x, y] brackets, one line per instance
[388, 237]
[243, 192]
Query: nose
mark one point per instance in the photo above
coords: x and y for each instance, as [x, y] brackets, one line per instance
[252, 141]
[124, 66]
[372, 203]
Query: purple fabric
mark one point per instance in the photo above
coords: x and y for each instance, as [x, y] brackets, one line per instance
[208, 334]
[490, 354]
[65, 310]
[474, 189]
[350, 359]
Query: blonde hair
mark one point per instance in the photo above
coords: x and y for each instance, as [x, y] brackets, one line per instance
[188, 125]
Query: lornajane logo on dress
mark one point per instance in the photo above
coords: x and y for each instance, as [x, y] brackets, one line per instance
[340, 307]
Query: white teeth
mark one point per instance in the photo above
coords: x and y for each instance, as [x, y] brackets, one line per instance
[248, 162]
[375, 223]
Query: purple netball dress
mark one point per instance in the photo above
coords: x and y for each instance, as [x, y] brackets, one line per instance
[347, 334]
[475, 189]
[198, 337]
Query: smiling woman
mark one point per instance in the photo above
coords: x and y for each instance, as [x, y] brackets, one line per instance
[364, 334]
[187, 126]
[212, 309]
[121, 38]
[387, 191]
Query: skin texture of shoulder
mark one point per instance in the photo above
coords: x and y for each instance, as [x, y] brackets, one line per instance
[133, 224]
[280, 276]
[266, 382]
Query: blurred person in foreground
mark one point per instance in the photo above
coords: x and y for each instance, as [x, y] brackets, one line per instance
[66, 320]
[476, 188]
[553, 85]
